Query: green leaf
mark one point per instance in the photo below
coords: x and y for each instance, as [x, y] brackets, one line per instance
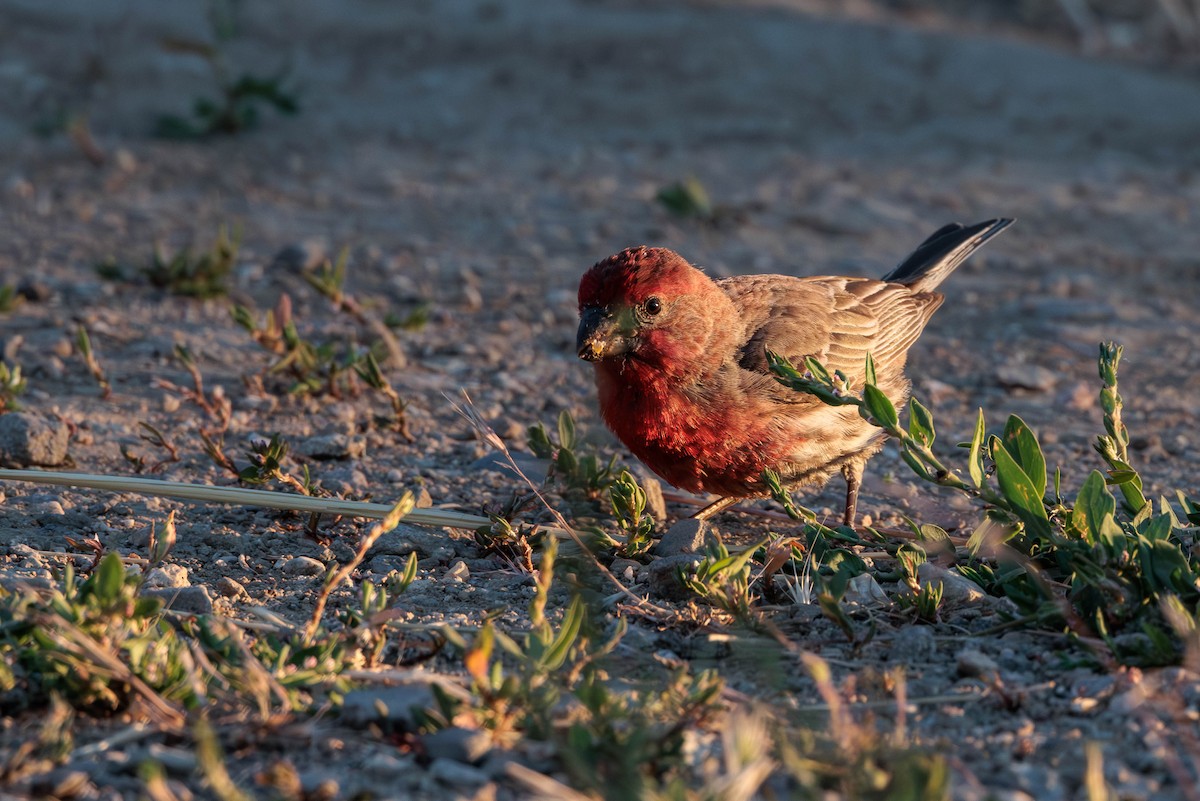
[817, 369]
[1021, 443]
[870, 371]
[880, 407]
[911, 556]
[975, 455]
[566, 430]
[109, 578]
[1019, 490]
[920, 423]
[1094, 513]
[1165, 568]
[568, 633]
[1157, 528]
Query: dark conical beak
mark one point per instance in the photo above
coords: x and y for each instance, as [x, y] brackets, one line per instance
[601, 335]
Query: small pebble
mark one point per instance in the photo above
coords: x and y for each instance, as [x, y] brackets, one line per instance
[303, 566]
[686, 536]
[168, 575]
[976, 664]
[230, 588]
[193, 600]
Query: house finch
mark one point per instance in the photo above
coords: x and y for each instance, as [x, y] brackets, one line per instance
[682, 374]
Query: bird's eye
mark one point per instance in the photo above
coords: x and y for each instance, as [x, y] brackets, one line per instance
[653, 306]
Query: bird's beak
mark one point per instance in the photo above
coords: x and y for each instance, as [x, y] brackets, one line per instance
[602, 335]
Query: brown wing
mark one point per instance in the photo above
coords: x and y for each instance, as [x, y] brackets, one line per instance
[836, 320]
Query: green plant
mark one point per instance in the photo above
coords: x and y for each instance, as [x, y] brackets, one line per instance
[526, 698]
[723, 579]
[203, 276]
[370, 617]
[95, 642]
[509, 542]
[329, 279]
[267, 457]
[369, 371]
[239, 98]
[12, 384]
[155, 438]
[1066, 564]
[10, 298]
[215, 404]
[83, 344]
[686, 198]
[628, 501]
[314, 367]
[579, 473]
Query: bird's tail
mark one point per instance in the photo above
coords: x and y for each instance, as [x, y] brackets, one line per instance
[944, 250]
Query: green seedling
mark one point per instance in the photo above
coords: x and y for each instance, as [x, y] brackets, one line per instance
[12, 384]
[584, 474]
[96, 643]
[315, 368]
[196, 276]
[10, 298]
[372, 375]
[215, 404]
[687, 198]
[83, 345]
[723, 580]
[504, 539]
[239, 99]
[267, 458]
[329, 280]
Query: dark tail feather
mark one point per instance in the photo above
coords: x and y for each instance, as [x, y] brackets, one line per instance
[944, 250]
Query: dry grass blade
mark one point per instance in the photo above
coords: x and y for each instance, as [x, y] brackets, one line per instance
[336, 577]
[238, 496]
[541, 786]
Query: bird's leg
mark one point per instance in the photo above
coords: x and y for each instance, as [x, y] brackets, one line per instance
[719, 505]
[852, 472]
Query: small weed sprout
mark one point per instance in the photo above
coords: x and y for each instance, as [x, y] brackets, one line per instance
[723, 580]
[10, 298]
[266, 465]
[583, 474]
[215, 404]
[687, 198]
[96, 643]
[802, 587]
[330, 281]
[12, 384]
[157, 439]
[315, 368]
[239, 98]
[502, 538]
[368, 621]
[372, 375]
[83, 345]
[204, 276]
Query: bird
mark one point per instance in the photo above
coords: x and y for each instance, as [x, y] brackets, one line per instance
[681, 365]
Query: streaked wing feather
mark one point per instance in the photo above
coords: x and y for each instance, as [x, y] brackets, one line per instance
[836, 320]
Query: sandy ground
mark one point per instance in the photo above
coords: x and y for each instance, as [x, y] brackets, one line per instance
[475, 157]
